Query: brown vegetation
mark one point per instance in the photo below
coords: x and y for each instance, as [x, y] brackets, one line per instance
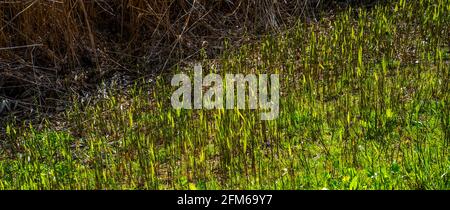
[50, 47]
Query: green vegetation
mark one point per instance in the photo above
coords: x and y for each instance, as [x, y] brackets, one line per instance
[364, 105]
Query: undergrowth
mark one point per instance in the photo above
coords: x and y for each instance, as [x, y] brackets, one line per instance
[364, 105]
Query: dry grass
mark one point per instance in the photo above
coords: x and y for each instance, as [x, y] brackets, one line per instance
[50, 47]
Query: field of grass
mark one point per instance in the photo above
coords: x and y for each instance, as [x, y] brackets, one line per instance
[364, 105]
